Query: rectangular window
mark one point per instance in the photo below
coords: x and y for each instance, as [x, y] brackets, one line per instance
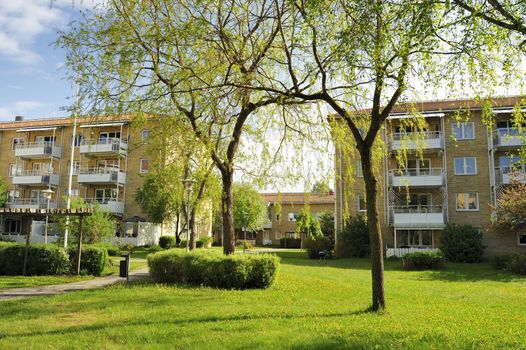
[467, 201]
[14, 169]
[361, 203]
[74, 192]
[278, 217]
[76, 167]
[522, 239]
[359, 171]
[103, 195]
[145, 166]
[12, 195]
[465, 166]
[44, 140]
[145, 135]
[464, 131]
[18, 142]
[78, 140]
[109, 137]
[12, 226]
[277, 235]
[293, 216]
[418, 167]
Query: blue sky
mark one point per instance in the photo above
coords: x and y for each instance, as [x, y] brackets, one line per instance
[32, 77]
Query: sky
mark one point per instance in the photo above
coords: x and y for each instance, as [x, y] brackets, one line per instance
[32, 77]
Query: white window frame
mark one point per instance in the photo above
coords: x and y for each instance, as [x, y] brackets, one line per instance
[145, 139]
[361, 197]
[519, 239]
[17, 141]
[141, 169]
[466, 194]
[293, 217]
[464, 165]
[13, 169]
[462, 126]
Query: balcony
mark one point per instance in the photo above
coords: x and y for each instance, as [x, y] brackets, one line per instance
[110, 205]
[418, 216]
[30, 203]
[506, 176]
[104, 147]
[38, 150]
[412, 177]
[35, 178]
[101, 176]
[428, 140]
[508, 138]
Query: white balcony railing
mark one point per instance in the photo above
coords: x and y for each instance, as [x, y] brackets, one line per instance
[418, 216]
[416, 177]
[38, 150]
[506, 176]
[508, 137]
[400, 252]
[101, 175]
[30, 203]
[111, 205]
[426, 140]
[103, 146]
[35, 178]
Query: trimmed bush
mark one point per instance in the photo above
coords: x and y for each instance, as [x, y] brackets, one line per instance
[211, 268]
[462, 243]
[112, 250]
[314, 245]
[248, 245]
[285, 242]
[93, 260]
[42, 260]
[154, 248]
[514, 262]
[167, 242]
[423, 261]
[353, 241]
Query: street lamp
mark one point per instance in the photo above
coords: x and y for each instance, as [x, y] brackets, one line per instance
[47, 193]
[245, 217]
[188, 186]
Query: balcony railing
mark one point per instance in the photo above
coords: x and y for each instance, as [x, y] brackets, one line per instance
[506, 176]
[426, 140]
[35, 178]
[104, 146]
[38, 150]
[508, 137]
[417, 177]
[111, 205]
[106, 175]
[31, 203]
[418, 216]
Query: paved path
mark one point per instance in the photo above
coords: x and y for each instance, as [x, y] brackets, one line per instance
[99, 282]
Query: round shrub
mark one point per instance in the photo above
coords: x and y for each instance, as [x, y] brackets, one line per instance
[353, 240]
[462, 243]
[93, 260]
[210, 268]
[314, 245]
[42, 260]
[167, 242]
[514, 262]
[423, 261]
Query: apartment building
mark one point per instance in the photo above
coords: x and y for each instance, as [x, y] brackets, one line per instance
[283, 211]
[463, 167]
[108, 161]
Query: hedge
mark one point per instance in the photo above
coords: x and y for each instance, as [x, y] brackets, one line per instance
[514, 262]
[423, 261]
[462, 243]
[93, 260]
[211, 268]
[314, 245]
[42, 260]
[167, 242]
[285, 242]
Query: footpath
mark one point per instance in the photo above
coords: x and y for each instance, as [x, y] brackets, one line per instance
[99, 282]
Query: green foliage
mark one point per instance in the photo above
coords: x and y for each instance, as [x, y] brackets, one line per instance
[3, 192]
[514, 262]
[353, 241]
[462, 243]
[210, 268]
[93, 260]
[248, 200]
[167, 242]
[244, 245]
[315, 244]
[510, 211]
[42, 260]
[321, 187]
[205, 241]
[154, 248]
[423, 261]
[327, 225]
[112, 250]
[285, 242]
[127, 247]
[306, 224]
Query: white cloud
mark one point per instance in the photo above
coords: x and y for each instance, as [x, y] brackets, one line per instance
[9, 111]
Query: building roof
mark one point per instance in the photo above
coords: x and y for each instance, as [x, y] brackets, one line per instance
[299, 198]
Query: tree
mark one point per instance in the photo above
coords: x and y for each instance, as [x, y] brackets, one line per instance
[308, 225]
[248, 200]
[321, 187]
[510, 211]
[184, 61]
[327, 225]
[3, 192]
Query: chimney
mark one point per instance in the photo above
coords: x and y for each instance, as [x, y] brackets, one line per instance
[19, 118]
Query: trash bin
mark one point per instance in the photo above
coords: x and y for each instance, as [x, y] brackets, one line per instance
[123, 271]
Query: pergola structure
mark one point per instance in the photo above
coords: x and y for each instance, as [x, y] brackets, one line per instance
[36, 213]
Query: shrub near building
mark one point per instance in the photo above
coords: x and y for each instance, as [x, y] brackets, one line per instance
[462, 243]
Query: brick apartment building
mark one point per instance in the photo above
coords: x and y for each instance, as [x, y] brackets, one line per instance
[464, 167]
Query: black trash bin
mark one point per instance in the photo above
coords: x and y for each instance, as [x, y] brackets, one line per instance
[123, 271]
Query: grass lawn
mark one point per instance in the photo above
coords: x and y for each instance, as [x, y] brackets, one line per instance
[312, 306]
[33, 281]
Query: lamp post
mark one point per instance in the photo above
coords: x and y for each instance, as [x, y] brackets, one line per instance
[188, 186]
[245, 217]
[47, 194]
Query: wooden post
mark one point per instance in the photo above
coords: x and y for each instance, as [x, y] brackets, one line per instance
[79, 246]
[26, 253]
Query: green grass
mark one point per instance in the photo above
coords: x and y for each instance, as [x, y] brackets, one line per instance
[312, 306]
[7, 282]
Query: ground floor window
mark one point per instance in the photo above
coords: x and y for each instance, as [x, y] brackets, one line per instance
[415, 238]
[293, 235]
[522, 238]
[13, 226]
[277, 235]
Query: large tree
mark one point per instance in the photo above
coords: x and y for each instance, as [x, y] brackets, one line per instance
[249, 209]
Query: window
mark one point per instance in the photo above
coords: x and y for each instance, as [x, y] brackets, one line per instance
[415, 238]
[511, 164]
[109, 137]
[277, 235]
[417, 167]
[359, 171]
[278, 217]
[12, 226]
[521, 239]
[42, 140]
[467, 201]
[13, 195]
[76, 167]
[18, 142]
[464, 131]
[103, 195]
[145, 165]
[74, 192]
[292, 235]
[108, 164]
[78, 140]
[362, 203]
[293, 216]
[466, 166]
[14, 169]
[145, 136]
[37, 168]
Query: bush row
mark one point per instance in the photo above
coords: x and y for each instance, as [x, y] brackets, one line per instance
[50, 260]
[514, 262]
[423, 261]
[210, 268]
[316, 244]
[285, 242]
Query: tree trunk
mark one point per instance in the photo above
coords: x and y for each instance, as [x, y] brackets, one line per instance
[375, 233]
[193, 232]
[227, 208]
[177, 232]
